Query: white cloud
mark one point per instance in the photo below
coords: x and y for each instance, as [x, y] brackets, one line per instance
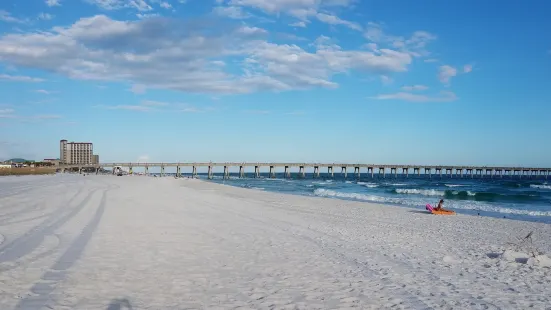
[147, 15]
[162, 53]
[277, 6]
[301, 9]
[152, 103]
[446, 73]
[165, 5]
[219, 63]
[43, 91]
[334, 20]
[19, 78]
[444, 96]
[298, 24]
[191, 109]
[234, 12]
[415, 45]
[290, 37]
[302, 14]
[45, 16]
[139, 5]
[431, 60]
[143, 106]
[138, 89]
[386, 80]
[467, 68]
[414, 87]
[372, 46]
[7, 113]
[5, 16]
[53, 2]
[251, 31]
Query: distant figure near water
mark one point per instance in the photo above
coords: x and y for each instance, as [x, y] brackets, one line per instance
[440, 206]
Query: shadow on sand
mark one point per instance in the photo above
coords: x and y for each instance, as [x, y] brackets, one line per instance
[119, 304]
[420, 212]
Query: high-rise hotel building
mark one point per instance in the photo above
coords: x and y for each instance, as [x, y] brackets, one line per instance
[76, 153]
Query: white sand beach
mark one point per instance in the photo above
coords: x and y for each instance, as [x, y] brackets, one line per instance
[107, 242]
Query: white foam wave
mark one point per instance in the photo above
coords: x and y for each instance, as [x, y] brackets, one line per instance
[424, 192]
[471, 193]
[540, 186]
[398, 184]
[496, 209]
[419, 202]
[368, 184]
[323, 182]
[321, 192]
[455, 185]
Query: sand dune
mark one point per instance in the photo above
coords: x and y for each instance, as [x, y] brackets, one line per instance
[106, 242]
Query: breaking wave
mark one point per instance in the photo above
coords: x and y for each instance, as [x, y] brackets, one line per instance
[473, 206]
[543, 186]
[368, 185]
[322, 192]
[424, 192]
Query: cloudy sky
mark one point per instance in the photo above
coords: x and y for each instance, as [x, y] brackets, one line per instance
[373, 81]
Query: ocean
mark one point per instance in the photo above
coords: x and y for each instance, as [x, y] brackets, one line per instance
[520, 199]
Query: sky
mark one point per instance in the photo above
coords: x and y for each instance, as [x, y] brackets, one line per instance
[358, 81]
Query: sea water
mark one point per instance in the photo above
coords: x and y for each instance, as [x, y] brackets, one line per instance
[521, 199]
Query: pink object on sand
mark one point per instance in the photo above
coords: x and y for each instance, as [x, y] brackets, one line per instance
[429, 208]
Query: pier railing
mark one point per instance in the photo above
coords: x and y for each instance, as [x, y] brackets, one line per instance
[372, 170]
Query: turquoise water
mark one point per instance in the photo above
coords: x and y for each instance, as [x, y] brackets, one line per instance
[521, 199]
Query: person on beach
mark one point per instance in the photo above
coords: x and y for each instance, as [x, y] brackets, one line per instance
[439, 208]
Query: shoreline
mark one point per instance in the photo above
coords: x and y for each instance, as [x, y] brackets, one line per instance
[185, 243]
[501, 209]
[360, 203]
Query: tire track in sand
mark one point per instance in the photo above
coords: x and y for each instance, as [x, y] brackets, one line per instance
[42, 289]
[32, 239]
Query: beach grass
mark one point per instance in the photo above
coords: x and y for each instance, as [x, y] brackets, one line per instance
[27, 171]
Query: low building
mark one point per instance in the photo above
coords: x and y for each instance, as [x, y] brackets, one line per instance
[52, 161]
[5, 166]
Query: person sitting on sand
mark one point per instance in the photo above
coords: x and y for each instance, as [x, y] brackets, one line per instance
[439, 207]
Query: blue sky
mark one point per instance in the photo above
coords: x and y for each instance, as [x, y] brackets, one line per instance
[412, 82]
